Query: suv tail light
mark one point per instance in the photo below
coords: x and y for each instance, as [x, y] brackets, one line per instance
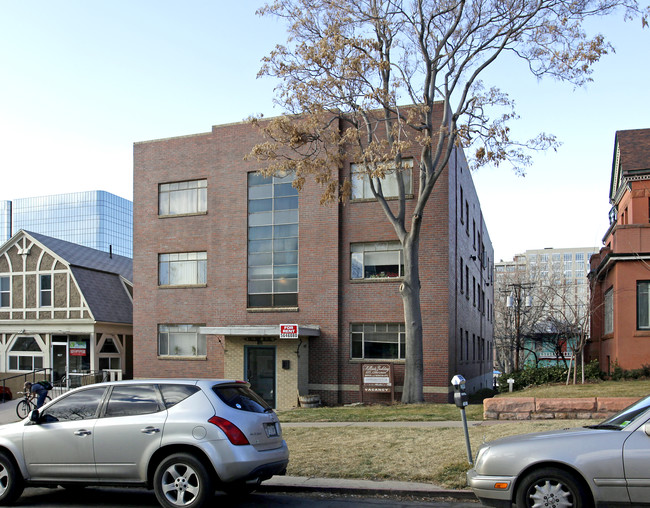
[234, 435]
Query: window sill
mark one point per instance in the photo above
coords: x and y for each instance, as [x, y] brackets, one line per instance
[398, 361]
[370, 200]
[194, 214]
[642, 333]
[272, 309]
[183, 286]
[377, 279]
[183, 358]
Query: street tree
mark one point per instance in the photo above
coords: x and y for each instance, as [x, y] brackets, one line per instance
[356, 63]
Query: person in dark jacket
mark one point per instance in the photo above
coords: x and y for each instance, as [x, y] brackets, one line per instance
[38, 390]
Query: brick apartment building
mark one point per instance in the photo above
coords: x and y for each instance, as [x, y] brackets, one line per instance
[223, 257]
[620, 272]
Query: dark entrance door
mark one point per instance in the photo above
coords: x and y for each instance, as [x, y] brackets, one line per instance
[260, 372]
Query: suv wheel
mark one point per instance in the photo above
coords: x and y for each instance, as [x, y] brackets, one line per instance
[182, 481]
[11, 483]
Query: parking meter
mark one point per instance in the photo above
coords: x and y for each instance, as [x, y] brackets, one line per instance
[461, 400]
[460, 395]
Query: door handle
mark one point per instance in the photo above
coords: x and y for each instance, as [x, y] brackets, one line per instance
[82, 432]
[149, 430]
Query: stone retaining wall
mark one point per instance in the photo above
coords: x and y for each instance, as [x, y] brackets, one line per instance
[532, 408]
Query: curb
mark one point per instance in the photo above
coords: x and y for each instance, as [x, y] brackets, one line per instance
[361, 487]
[464, 495]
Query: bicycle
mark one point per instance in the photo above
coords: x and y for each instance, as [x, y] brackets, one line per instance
[28, 404]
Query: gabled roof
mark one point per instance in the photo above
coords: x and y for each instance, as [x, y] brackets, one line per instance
[631, 157]
[85, 257]
[98, 275]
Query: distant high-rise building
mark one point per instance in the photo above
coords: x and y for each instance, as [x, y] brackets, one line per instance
[5, 221]
[541, 306]
[96, 219]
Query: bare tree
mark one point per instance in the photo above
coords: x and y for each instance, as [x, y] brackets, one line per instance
[349, 64]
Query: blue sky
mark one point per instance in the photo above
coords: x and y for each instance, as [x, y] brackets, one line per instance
[82, 81]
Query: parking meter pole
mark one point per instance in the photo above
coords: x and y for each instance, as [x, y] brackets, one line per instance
[467, 443]
[461, 400]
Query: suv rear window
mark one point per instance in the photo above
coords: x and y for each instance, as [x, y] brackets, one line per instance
[241, 397]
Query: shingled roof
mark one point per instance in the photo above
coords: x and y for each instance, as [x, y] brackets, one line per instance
[634, 149]
[631, 158]
[98, 275]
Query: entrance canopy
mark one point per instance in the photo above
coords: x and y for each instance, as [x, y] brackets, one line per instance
[257, 330]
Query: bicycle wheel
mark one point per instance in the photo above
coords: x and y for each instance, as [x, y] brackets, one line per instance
[23, 409]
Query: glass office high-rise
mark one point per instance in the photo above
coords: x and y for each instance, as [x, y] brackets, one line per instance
[95, 219]
[5, 221]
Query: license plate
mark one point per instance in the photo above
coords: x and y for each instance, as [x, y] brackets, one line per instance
[271, 430]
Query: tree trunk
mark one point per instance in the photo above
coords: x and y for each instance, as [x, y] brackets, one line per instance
[410, 290]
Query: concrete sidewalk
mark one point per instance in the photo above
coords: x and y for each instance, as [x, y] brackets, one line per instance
[332, 485]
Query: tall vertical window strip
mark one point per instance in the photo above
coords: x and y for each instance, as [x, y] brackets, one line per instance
[643, 305]
[272, 242]
[609, 311]
[183, 269]
[183, 197]
[46, 291]
[5, 291]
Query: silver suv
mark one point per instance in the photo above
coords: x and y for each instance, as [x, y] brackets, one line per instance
[183, 438]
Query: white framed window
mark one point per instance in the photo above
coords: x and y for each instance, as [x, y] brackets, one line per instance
[183, 269]
[181, 340]
[180, 198]
[379, 341]
[25, 354]
[643, 305]
[109, 355]
[377, 260]
[361, 181]
[609, 311]
[5, 291]
[45, 291]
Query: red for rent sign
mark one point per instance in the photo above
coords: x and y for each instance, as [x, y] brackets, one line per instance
[288, 331]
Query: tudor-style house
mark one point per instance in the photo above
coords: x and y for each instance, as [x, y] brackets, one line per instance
[65, 308]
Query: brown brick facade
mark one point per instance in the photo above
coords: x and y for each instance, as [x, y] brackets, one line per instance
[327, 297]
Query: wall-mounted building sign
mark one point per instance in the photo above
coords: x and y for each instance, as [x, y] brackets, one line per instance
[288, 331]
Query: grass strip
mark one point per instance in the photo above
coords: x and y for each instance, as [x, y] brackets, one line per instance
[436, 456]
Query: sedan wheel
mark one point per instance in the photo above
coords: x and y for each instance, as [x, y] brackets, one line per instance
[182, 481]
[552, 488]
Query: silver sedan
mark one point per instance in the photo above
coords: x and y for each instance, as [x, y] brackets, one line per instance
[599, 465]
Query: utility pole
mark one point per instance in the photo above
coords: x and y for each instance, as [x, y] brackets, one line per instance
[517, 301]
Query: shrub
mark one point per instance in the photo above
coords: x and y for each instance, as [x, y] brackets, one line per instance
[531, 376]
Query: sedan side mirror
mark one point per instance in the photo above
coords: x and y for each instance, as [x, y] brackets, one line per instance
[34, 416]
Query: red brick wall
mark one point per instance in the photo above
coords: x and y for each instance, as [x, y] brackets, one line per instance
[327, 296]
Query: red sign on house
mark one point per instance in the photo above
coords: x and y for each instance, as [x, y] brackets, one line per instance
[288, 331]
